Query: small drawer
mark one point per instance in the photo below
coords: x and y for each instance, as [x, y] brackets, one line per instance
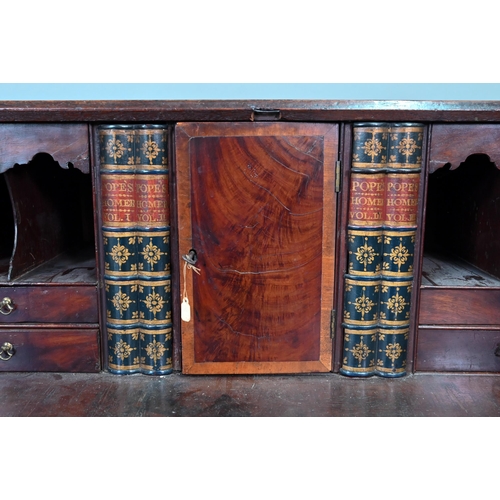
[49, 349]
[455, 306]
[48, 304]
[458, 350]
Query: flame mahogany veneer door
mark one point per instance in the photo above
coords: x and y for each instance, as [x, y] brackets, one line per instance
[257, 203]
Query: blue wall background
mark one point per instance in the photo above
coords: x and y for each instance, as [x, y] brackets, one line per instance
[403, 91]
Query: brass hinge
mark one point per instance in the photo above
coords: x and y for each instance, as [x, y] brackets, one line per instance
[333, 318]
[338, 174]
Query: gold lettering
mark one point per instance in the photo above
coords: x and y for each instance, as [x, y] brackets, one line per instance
[365, 215]
[401, 217]
[120, 203]
[152, 188]
[118, 187]
[407, 187]
[142, 217]
[114, 217]
[152, 204]
[401, 202]
[368, 201]
[368, 186]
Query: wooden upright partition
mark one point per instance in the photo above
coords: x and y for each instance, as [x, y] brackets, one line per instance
[257, 211]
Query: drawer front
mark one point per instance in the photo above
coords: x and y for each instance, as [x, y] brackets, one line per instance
[50, 349]
[49, 304]
[469, 350]
[440, 306]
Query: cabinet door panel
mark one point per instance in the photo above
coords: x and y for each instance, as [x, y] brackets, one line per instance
[257, 204]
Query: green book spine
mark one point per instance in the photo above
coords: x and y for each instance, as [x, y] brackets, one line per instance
[117, 171]
[361, 319]
[362, 283]
[381, 231]
[153, 249]
[136, 242]
[404, 165]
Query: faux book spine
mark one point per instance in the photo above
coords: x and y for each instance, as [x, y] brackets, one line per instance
[136, 242]
[383, 208]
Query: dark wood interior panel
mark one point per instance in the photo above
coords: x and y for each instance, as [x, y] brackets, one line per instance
[260, 200]
[6, 227]
[460, 294]
[51, 349]
[455, 306]
[53, 213]
[454, 143]
[463, 213]
[65, 142]
[465, 350]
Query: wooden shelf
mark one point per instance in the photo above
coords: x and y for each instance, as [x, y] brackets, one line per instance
[448, 271]
[65, 269]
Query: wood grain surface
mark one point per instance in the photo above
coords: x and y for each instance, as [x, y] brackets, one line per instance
[299, 110]
[51, 304]
[66, 143]
[257, 204]
[454, 143]
[459, 306]
[318, 395]
[458, 350]
[438, 270]
[52, 349]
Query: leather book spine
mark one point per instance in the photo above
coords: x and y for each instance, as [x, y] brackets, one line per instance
[136, 241]
[370, 147]
[364, 249]
[367, 200]
[400, 225]
[383, 211]
[118, 217]
[401, 199]
[153, 249]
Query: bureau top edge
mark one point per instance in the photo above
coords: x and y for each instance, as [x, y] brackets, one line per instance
[98, 111]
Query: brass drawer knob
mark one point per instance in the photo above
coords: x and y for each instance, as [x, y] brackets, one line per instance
[6, 306]
[7, 351]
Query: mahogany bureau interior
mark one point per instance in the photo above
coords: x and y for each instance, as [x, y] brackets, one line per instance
[271, 242]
